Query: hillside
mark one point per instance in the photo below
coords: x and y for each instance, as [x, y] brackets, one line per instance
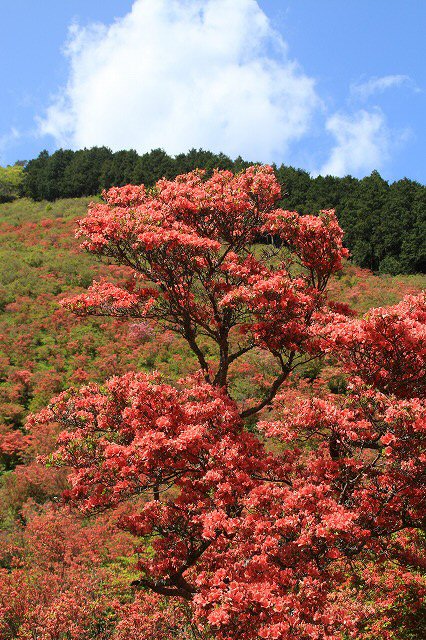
[80, 569]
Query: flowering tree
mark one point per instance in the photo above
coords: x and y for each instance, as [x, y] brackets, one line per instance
[189, 245]
[287, 532]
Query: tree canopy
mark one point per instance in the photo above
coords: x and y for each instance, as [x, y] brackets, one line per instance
[11, 181]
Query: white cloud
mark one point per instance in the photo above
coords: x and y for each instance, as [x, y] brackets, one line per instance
[183, 73]
[363, 143]
[364, 90]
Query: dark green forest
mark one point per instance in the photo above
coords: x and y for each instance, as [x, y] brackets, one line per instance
[384, 223]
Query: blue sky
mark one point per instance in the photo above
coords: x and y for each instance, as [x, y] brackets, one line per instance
[330, 86]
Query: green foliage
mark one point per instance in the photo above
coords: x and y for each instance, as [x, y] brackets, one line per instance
[11, 180]
[384, 224]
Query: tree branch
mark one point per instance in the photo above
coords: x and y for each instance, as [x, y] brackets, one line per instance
[273, 389]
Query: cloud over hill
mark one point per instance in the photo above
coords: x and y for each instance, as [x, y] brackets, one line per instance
[210, 74]
[183, 74]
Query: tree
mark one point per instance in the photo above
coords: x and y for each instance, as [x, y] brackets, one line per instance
[34, 176]
[11, 178]
[200, 159]
[152, 166]
[413, 249]
[82, 175]
[277, 542]
[118, 169]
